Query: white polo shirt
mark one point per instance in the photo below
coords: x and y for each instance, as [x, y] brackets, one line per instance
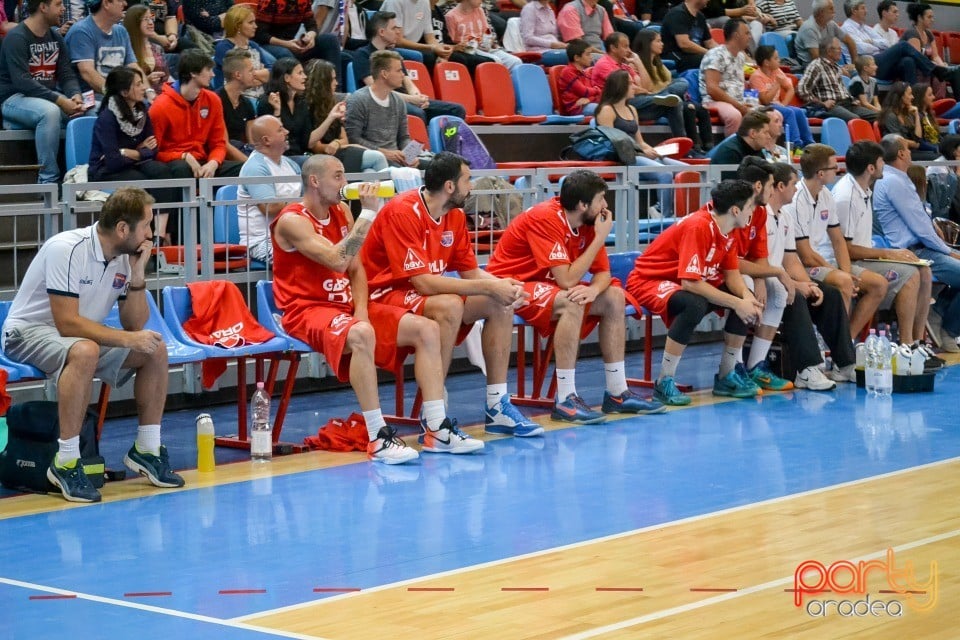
[70, 264]
[854, 211]
[779, 237]
[812, 217]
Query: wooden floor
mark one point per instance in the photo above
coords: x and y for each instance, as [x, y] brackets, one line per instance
[754, 550]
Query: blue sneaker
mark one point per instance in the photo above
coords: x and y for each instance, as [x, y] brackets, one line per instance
[73, 482]
[155, 468]
[766, 379]
[741, 370]
[575, 410]
[665, 390]
[733, 385]
[630, 402]
[506, 419]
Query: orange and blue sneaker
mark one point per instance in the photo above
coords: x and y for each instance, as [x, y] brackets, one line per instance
[575, 410]
[630, 402]
[766, 379]
[665, 390]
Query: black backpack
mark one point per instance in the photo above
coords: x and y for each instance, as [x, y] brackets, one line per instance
[32, 432]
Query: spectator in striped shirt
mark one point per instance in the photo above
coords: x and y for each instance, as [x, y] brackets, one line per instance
[785, 13]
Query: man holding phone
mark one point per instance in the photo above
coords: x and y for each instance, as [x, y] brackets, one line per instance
[38, 87]
[551, 248]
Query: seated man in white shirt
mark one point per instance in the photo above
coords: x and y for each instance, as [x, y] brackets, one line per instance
[269, 139]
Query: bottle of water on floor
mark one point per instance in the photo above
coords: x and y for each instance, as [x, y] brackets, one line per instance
[261, 431]
[884, 382]
[870, 372]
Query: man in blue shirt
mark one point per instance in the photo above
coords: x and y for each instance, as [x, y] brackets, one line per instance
[900, 212]
[98, 44]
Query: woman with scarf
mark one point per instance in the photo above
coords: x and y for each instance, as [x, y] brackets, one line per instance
[123, 145]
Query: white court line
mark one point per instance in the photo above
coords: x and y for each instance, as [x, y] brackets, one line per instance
[152, 609]
[584, 543]
[693, 606]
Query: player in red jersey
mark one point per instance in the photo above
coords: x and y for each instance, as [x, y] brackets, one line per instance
[419, 236]
[320, 284]
[690, 270]
[551, 247]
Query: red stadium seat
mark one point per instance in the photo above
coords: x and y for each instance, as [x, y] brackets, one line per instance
[496, 97]
[687, 199]
[861, 130]
[417, 71]
[418, 130]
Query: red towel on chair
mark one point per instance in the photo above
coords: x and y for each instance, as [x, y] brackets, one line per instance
[221, 318]
[4, 396]
[341, 435]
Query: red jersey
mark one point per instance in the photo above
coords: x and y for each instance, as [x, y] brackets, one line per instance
[540, 239]
[751, 241]
[692, 249]
[298, 281]
[405, 241]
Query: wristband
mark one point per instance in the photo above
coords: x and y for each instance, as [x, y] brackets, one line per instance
[139, 287]
[368, 214]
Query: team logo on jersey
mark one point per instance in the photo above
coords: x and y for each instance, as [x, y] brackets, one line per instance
[824, 214]
[338, 290]
[665, 288]
[339, 323]
[204, 113]
[753, 232]
[815, 271]
[229, 337]
[892, 275]
[344, 231]
[559, 252]
[446, 239]
[411, 298]
[119, 280]
[540, 290]
[412, 262]
[694, 265]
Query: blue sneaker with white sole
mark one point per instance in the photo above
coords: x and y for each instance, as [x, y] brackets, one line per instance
[506, 419]
[575, 410]
[630, 402]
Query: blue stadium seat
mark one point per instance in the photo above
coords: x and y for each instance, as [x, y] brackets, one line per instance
[77, 141]
[533, 94]
[177, 352]
[15, 370]
[692, 76]
[777, 41]
[834, 132]
[954, 128]
[268, 315]
[350, 81]
[226, 226]
[409, 54]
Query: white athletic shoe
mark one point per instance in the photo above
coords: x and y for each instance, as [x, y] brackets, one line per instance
[389, 449]
[449, 439]
[844, 374]
[812, 378]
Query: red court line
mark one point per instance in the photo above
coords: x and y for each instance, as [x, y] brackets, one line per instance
[147, 594]
[711, 590]
[619, 588]
[430, 589]
[55, 597]
[525, 589]
[238, 592]
[336, 589]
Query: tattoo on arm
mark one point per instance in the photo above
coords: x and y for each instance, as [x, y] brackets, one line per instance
[350, 246]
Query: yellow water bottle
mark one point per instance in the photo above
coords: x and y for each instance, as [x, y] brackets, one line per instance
[206, 462]
[352, 190]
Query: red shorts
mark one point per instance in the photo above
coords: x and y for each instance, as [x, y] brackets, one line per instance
[539, 312]
[410, 300]
[654, 295]
[325, 329]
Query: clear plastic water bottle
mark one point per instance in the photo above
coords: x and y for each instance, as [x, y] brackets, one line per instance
[884, 381]
[261, 430]
[870, 374]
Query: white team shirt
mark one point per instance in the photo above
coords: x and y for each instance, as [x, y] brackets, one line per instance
[780, 237]
[70, 264]
[854, 211]
[812, 217]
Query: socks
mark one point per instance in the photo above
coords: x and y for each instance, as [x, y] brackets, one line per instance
[668, 366]
[375, 422]
[728, 360]
[68, 453]
[566, 383]
[758, 352]
[494, 393]
[433, 413]
[616, 376]
[148, 439]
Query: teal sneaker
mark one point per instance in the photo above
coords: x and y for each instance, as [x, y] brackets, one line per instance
[665, 390]
[155, 468]
[73, 482]
[766, 379]
[734, 385]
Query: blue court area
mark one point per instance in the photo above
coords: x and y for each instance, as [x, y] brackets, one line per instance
[243, 548]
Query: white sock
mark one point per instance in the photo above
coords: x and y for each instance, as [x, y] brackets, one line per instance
[148, 439]
[758, 351]
[566, 383]
[668, 365]
[494, 393]
[616, 375]
[434, 413]
[69, 452]
[375, 422]
[728, 360]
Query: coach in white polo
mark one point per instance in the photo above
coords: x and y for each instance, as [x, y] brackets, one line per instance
[56, 324]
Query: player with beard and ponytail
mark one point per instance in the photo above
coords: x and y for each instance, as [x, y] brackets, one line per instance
[551, 248]
[418, 237]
